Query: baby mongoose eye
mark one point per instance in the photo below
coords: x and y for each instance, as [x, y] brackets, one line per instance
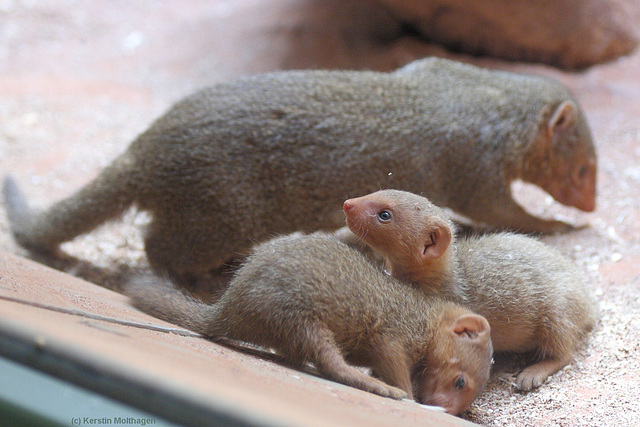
[384, 216]
[460, 383]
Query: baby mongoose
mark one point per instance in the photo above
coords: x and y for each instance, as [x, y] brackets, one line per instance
[239, 162]
[532, 296]
[314, 299]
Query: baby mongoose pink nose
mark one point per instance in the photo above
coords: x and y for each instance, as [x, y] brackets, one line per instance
[347, 206]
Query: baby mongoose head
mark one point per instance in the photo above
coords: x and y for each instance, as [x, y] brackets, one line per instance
[412, 234]
[457, 366]
[562, 160]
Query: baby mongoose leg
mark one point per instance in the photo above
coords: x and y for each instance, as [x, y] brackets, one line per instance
[330, 363]
[392, 367]
[533, 376]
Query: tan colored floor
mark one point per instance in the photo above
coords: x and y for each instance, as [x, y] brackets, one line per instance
[79, 79]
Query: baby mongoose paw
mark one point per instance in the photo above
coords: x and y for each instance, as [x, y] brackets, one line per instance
[389, 391]
[530, 379]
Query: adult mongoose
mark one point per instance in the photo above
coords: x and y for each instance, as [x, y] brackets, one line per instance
[238, 162]
[576, 33]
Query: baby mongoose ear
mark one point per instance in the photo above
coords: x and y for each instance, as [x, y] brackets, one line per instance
[471, 326]
[565, 116]
[437, 241]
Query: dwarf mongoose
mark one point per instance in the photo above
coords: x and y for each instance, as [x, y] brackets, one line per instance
[575, 34]
[314, 299]
[532, 296]
[239, 162]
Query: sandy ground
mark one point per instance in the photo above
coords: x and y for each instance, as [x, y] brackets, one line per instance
[80, 79]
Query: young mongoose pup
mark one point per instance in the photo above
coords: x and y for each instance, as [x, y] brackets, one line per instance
[532, 296]
[314, 299]
[238, 162]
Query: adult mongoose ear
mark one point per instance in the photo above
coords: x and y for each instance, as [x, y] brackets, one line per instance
[471, 327]
[564, 117]
[437, 240]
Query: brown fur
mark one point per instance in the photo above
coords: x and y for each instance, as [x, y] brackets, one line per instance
[239, 162]
[314, 299]
[533, 297]
[565, 33]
